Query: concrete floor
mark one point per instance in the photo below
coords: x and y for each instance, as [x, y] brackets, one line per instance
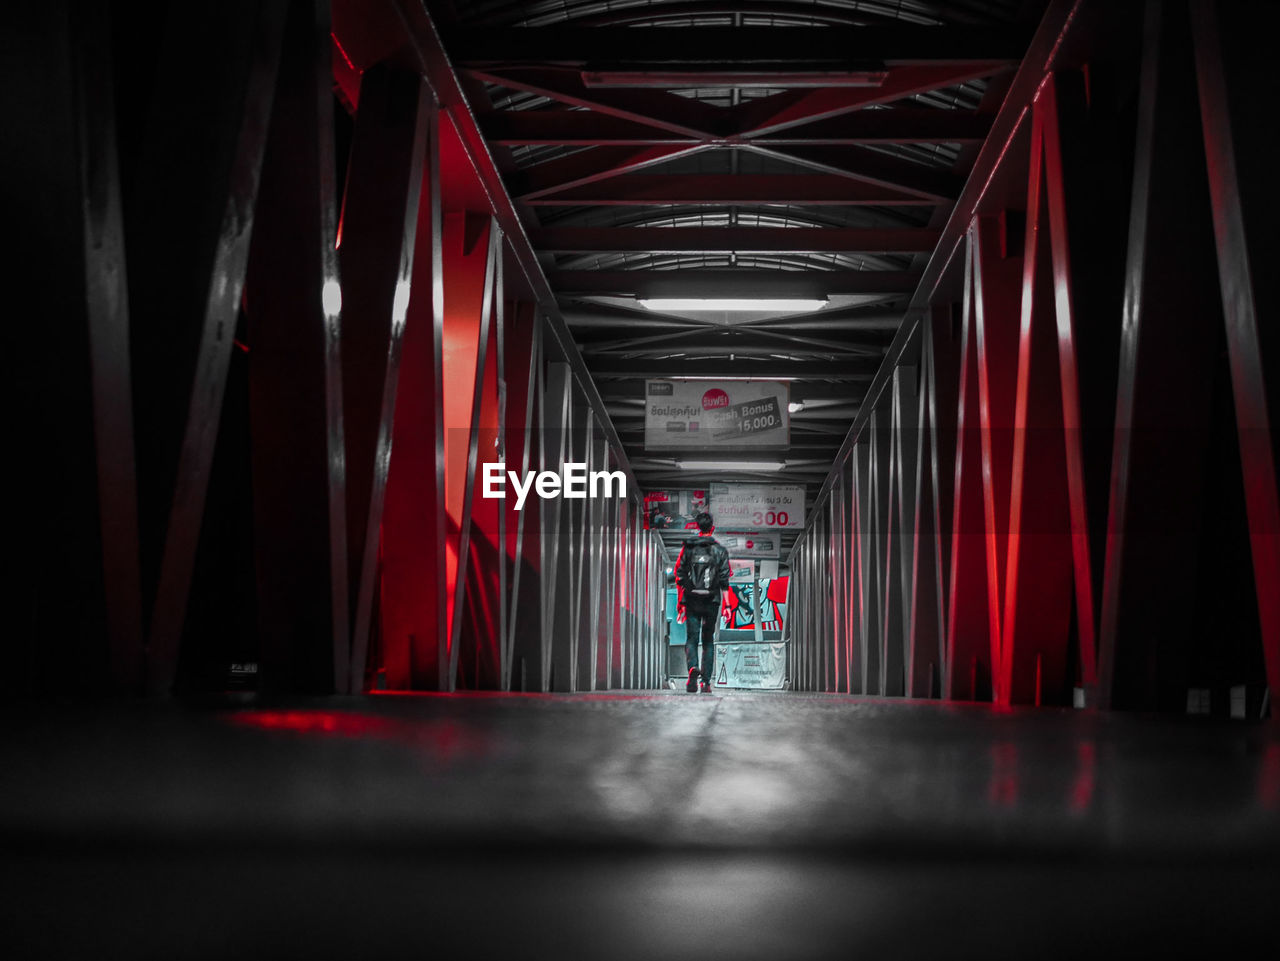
[624, 826]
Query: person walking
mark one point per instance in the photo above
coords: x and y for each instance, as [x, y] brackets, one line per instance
[702, 573]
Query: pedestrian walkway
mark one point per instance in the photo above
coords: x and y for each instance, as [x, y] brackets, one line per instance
[630, 826]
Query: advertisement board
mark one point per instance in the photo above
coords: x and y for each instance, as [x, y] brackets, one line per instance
[741, 571]
[759, 667]
[710, 415]
[751, 543]
[674, 510]
[761, 507]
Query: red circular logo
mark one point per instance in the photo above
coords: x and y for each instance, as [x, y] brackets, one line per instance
[750, 544]
[714, 398]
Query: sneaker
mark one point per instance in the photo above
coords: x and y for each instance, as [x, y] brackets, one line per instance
[706, 688]
[692, 686]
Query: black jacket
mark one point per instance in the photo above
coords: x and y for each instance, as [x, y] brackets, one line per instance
[721, 557]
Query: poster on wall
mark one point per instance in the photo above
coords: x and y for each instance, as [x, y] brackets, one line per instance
[674, 510]
[760, 507]
[744, 602]
[751, 543]
[741, 570]
[716, 414]
[760, 667]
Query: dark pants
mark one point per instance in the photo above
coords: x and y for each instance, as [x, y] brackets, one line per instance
[701, 623]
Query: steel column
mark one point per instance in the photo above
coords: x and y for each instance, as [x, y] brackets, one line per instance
[414, 600]
[295, 371]
[1232, 54]
[376, 238]
[1172, 321]
[72, 567]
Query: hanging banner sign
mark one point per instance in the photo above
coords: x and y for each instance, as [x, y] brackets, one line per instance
[742, 507]
[759, 667]
[674, 510]
[716, 414]
[751, 543]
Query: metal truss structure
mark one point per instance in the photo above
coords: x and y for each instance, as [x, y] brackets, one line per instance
[303, 267]
[1064, 476]
[773, 149]
[298, 371]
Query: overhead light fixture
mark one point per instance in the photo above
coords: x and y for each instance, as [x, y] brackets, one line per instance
[795, 407]
[739, 78]
[793, 304]
[730, 464]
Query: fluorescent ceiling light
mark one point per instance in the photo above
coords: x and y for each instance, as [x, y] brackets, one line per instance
[730, 464]
[795, 406]
[732, 303]
[738, 78]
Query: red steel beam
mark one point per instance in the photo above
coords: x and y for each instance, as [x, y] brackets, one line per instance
[413, 612]
[712, 48]
[668, 240]
[997, 280]
[589, 167]
[639, 369]
[1055, 42]
[1054, 188]
[426, 46]
[869, 166]
[377, 238]
[742, 189]
[656, 108]
[469, 266]
[969, 670]
[1038, 586]
[898, 125]
[808, 106]
[590, 128]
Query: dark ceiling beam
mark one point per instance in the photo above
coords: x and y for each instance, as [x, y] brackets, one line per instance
[655, 108]
[581, 317]
[799, 107]
[588, 167]
[719, 349]
[871, 166]
[899, 125]
[728, 339]
[721, 189]
[669, 240]
[874, 317]
[713, 48]
[757, 75]
[732, 283]
[695, 8]
[632, 395]
[589, 128]
[771, 370]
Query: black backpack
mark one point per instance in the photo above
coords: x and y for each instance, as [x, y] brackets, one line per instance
[700, 578]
